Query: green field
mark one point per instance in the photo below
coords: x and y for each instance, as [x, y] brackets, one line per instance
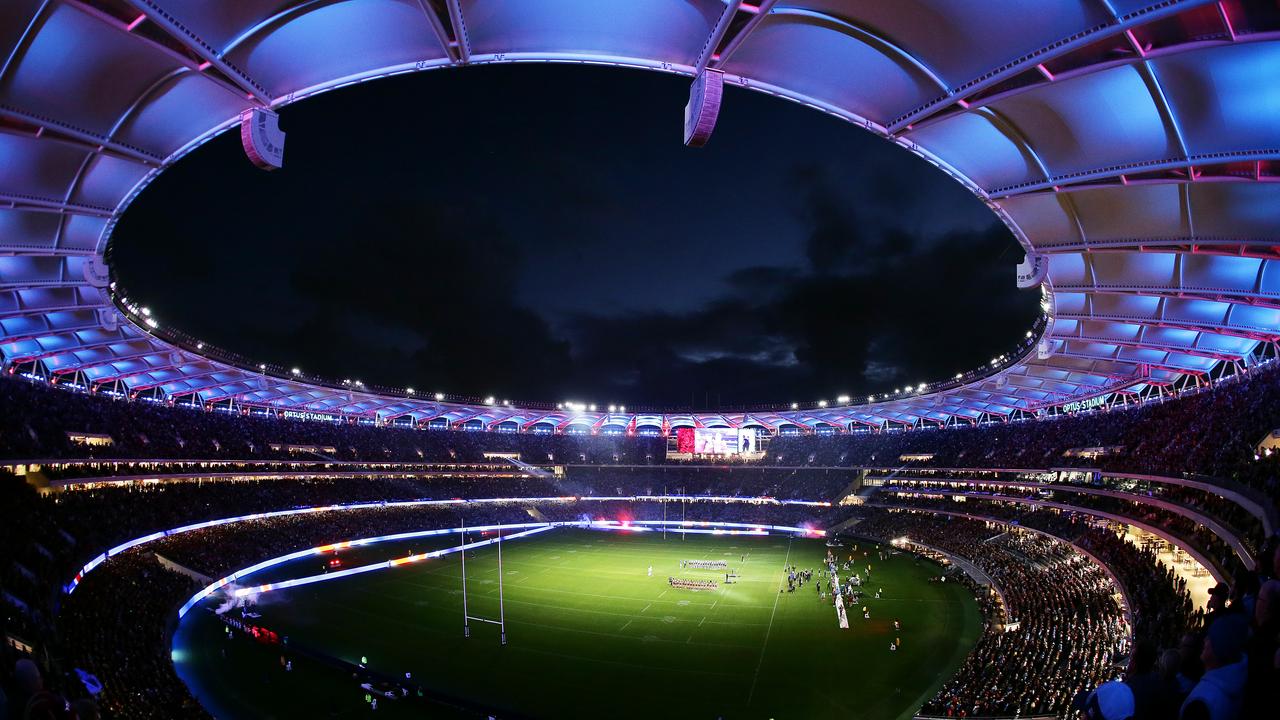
[590, 634]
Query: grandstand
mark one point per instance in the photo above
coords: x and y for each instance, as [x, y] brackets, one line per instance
[1090, 520]
[1145, 544]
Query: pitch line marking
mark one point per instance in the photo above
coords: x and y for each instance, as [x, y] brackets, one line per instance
[755, 678]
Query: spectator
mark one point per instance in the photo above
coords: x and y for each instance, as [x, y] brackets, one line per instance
[1220, 692]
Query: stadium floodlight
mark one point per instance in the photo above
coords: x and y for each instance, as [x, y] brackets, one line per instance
[613, 408]
[439, 396]
[622, 408]
[795, 406]
[262, 366]
[822, 403]
[146, 311]
[593, 407]
[199, 346]
[296, 371]
[409, 390]
[843, 399]
[488, 400]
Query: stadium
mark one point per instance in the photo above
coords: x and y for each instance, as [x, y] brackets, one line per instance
[1084, 526]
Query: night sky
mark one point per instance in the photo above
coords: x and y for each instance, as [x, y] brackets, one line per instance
[540, 233]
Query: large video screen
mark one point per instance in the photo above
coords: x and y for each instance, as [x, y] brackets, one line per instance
[716, 441]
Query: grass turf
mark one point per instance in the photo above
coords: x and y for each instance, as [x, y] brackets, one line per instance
[590, 634]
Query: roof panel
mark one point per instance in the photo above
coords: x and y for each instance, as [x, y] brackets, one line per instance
[806, 55]
[1225, 98]
[179, 109]
[110, 71]
[672, 30]
[327, 43]
[965, 41]
[1148, 261]
[1097, 120]
[973, 145]
[1237, 210]
[1131, 213]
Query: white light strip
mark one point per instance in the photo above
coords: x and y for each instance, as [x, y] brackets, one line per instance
[70, 587]
[706, 498]
[754, 527]
[89, 566]
[718, 531]
[689, 526]
[618, 526]
[223, 582]
[397, 562]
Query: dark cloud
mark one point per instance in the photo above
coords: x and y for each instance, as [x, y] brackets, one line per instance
[887, 320]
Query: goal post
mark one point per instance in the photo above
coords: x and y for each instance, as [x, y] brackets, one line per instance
[467, 617]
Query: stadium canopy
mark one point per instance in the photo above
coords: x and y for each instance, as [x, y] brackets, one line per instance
[1132, 147]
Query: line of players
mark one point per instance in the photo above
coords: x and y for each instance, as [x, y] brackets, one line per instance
[852, 589]
[699, 583]
[691, 584]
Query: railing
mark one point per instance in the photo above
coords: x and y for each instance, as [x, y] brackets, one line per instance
[1215, 569]
[1251, 499]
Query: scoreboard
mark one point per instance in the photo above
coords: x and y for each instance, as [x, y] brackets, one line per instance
[721, 442]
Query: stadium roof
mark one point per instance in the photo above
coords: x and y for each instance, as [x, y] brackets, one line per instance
[1133, 144]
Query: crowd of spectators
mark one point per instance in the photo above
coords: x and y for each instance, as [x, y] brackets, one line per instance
[53, 534]
[1213, 432]
[1226, 668]
[816, 484]
[1185, 663]
[1187, 531]
[38, 419]
[1065, 608]
[1158, 597]
[1070, 632]
[113, 625]
[1242, 523]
